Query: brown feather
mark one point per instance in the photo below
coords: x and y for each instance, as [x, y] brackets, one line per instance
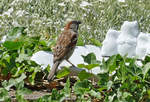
[53, 70]
[68, 26]
[64, 45]
[64, 48]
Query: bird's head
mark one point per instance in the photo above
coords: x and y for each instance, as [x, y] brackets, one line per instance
[73, 25]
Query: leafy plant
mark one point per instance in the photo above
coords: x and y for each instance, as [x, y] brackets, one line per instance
[64, 72]
[20, 90]
[91, 61]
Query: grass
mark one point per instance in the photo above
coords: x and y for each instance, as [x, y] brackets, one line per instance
[48, 17]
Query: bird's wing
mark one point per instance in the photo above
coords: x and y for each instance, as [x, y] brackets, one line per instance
[66, 41]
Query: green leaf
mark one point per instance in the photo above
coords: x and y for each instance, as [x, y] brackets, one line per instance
[16, 33]
[82, 87]
[33, 75]
[126, 94]
[81, 65]
[90, 58]
[89, 66]
[64, 72]
[12, 82]
[122, 96]
[21, 90]
[104, 78]
[112, 63]
[146, 69]
[42, 42]
[96, 42]
[80, 41]
[84, 75]
[123, 71]
[21, 78]
[24, 91]
[111, 98]
[4, 95]
[148, 92]
[20, 98]
[22, 57]
[11, 45]
[44, 99]
[109, 85]
[56, 96]
[95, 94]
[67, 90]
[146, 60]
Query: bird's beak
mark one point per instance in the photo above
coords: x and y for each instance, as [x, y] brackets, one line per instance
[79, 22]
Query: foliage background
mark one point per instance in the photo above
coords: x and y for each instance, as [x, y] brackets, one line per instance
[48, 17]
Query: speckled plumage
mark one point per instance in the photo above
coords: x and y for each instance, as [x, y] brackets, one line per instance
[65, 46]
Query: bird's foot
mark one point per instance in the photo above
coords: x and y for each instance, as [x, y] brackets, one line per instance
[70, 63]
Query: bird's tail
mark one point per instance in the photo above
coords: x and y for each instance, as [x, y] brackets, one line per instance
[53, 70]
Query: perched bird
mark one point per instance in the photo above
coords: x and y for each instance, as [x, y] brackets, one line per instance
[65, 46]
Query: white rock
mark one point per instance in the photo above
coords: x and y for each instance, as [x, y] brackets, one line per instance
[148, 50]
[127, 40]
[148, 47]
[127, 47]
[46, 58]
[109, 47]
[76, 57]
[43, 58]
[142, 45]
[130, 29]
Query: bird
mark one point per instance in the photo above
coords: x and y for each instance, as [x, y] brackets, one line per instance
[65, 46]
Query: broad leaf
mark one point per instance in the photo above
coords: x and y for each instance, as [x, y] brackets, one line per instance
[80, 41]
[109, 85]
[12, 82]
[67, 90]
[15, 33]
[11, 45]
[96, 42]
[82, 87]
[56, 96]
[146, 69]
[90, 58]
[89, 66]
[95, 94]
[22, 57]
[64, 72]
[112, 63]
[84, 75]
